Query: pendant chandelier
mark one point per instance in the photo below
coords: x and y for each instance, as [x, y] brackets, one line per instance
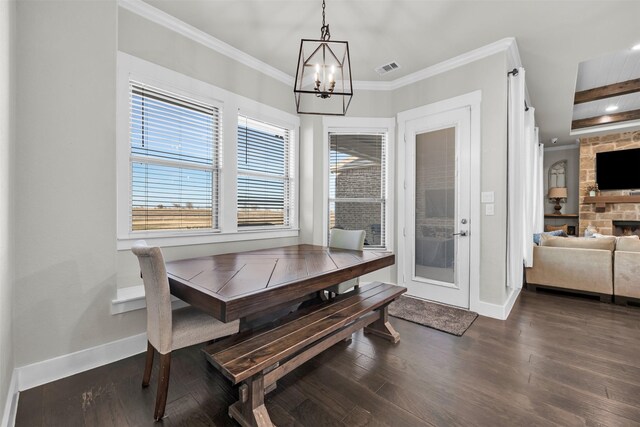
[323, 77]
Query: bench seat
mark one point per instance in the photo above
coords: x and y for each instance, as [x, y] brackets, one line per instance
[261, 357]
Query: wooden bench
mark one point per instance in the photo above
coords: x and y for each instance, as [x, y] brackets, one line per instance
[258, 359]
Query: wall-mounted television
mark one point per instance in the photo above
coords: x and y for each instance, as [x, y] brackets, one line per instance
[618, 170]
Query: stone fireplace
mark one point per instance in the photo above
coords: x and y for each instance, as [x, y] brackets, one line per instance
[619, 212]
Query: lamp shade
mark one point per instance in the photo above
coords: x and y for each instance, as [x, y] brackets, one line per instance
[558, 193]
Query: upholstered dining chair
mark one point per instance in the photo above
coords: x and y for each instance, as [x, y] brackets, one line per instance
[169, 330]
[346, 239]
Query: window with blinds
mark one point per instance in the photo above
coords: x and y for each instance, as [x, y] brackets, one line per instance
[357, 184]
[264, 174]
[175, 161]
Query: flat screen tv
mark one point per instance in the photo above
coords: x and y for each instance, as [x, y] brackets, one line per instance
[618, 170]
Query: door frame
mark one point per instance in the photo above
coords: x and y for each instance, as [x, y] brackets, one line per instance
[455, 293]
[473, 101]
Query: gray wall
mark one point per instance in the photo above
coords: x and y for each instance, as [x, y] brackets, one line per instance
[155, 43]
[67, 265]
[65, 248]
[573, 178]
[7, 41]
[489, 76]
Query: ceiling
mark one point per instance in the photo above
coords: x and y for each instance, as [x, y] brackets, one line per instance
[601, 72]
[553, 37]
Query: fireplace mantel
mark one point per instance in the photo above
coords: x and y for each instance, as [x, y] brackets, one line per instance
[602, 201]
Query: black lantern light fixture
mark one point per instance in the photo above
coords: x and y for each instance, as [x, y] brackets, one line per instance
[323, 77]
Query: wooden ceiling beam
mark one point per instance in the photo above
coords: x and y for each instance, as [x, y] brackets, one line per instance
[606, 119]
[608, 91]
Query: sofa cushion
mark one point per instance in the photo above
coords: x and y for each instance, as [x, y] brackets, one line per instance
[603, 243]
[563, 227]
[628, 244]
[536, 236]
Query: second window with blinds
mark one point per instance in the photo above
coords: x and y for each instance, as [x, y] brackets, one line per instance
[357, 184]
[265, 170]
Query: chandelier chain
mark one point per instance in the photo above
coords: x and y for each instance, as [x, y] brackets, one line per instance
[324, 30]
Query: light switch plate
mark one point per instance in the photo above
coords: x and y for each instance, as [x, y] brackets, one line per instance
[489, 209]
[487, 197]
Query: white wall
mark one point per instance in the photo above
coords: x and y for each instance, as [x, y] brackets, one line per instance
[572, 156]
[7, 40]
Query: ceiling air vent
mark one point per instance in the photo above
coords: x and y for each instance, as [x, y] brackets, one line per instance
[386, 68]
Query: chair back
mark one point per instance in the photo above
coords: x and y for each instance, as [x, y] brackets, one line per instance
[347, 239]
[157, 295]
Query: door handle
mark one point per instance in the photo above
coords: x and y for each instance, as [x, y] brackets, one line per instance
[461, 233]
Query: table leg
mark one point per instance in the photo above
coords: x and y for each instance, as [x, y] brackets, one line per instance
[249, 410]
[382, 327]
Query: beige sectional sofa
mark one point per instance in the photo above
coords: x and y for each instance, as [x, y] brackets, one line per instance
[603, 266]
[626, 270]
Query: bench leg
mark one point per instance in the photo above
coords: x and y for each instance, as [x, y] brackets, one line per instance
[250, 411]
[268, 389]
[382, 327]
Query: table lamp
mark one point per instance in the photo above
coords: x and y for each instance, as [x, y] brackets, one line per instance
[557, 194]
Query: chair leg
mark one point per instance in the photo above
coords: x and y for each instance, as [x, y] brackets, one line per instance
[148, 365]
[163, 386]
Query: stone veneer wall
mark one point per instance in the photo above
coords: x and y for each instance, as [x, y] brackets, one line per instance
[621, 211]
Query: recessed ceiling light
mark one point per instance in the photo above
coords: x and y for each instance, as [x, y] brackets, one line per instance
[636, 47]
[611, 108]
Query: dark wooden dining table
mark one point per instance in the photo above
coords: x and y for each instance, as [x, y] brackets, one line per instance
[244, 284]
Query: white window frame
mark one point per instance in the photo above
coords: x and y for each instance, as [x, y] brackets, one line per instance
[214, 168]
[362, 125]
[293, 168]
[230, 104]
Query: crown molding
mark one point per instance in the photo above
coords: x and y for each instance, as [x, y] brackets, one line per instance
[513, 54]
[153, 14]
[171, 22]
[507, 44]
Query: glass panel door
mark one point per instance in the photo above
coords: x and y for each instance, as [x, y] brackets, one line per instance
[435, 205]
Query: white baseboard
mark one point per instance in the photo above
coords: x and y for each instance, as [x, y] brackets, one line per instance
[11, 406]
[39, 373]
[511, 300]
[498, 311]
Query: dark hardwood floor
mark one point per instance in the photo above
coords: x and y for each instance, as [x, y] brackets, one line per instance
[558, 360]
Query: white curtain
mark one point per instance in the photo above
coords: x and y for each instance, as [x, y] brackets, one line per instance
[532, 191]
[538, 194]
[524, 180]
[516, 180]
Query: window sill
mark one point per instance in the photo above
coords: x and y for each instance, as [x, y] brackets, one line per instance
[125, 243]
[132, 298]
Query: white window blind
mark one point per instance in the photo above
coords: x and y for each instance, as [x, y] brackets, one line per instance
[175, 161]
[357, 184]
[264, 174]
